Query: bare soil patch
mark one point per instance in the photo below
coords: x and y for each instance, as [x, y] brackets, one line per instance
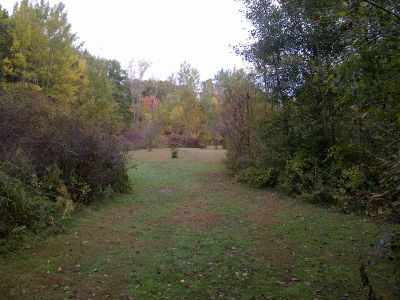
[266, 214]
[164, 191]
[192, 215]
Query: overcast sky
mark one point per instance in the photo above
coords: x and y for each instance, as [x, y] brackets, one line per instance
[166, 32]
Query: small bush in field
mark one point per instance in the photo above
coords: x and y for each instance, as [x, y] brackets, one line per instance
[174, 153]
[257, 177]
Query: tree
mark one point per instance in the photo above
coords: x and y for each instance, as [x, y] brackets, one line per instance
[136, 73]
[96, 96]
[149, 131]
[189, 77]
[330, 72]
[211, 109]
[5, 39]
[121, 89]
[242, 106]
[43, 51]
[181, 112]
[157, 88]
[149, 107]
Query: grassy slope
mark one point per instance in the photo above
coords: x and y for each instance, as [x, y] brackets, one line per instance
[188, 231]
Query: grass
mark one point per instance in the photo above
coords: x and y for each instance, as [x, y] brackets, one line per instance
[188, 231]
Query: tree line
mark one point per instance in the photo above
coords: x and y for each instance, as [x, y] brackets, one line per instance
[328, 76]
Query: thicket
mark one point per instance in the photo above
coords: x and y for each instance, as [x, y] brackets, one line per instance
[21, 209]
[329, 75]
[49, 155]
[61, 110]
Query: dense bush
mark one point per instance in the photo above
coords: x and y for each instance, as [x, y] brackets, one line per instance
[257, 177]
[60, 110]
[238, 163]
[38, 138]
[321, 195]
[295, 177]
[21, 209]
[50, 153]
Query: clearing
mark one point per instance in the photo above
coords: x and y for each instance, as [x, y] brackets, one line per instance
[187, 230]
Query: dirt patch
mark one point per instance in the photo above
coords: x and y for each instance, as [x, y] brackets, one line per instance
[194, 216]
[262, 217]
[102, 283]
[273, 251]
[192, 186]
[219, 181]
[164, 191]
[265, 215]
[111, 218]
[221, 176]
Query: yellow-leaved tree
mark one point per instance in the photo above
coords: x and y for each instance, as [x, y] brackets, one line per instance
[43, 51]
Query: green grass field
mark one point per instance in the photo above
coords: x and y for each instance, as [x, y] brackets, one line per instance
[187, 230]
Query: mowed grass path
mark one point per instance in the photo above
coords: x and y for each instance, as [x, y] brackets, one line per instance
[187, 230]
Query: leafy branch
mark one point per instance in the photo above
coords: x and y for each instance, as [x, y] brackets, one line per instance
[382, 8]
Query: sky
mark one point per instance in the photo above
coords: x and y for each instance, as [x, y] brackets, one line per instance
[165, 32]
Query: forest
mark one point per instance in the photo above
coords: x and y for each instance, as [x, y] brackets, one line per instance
[315, 118]
[330, 132]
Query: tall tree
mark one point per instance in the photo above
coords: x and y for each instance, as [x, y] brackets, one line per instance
[43, 51]
[210, 106]
[189, 77]
[5, 38]
[242, 105]
[96, 96]
[136, 74]
[330, 69]
[181, 112]
[121, 89]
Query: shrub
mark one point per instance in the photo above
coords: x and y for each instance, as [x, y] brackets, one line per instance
[257, 177]
[174, 153]
[61, 149]
[20, 209]
[296, 177]
[238, 163]
[322, 195]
